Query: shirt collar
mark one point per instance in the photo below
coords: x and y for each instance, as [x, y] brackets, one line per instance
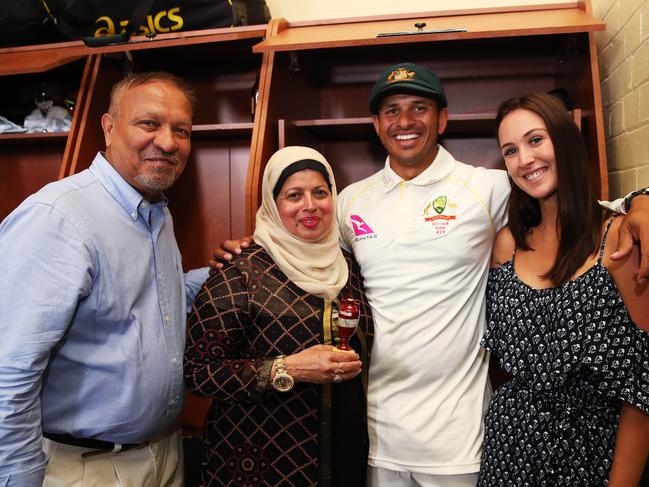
[125, 194]
[441, 167]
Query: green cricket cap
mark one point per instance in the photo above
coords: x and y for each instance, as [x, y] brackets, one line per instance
[407, 78]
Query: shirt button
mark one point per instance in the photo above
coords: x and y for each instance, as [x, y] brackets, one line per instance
[167, 318]
[133, 215]
[174, 360]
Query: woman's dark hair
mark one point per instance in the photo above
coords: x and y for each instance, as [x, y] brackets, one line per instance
[579, 216]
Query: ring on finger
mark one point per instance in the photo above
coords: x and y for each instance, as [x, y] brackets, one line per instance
[338, 378]
[339, 371]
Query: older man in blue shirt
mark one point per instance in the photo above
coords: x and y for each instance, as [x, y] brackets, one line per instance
[93, 306]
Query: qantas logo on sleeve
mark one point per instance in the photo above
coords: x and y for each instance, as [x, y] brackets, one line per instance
[361, 229]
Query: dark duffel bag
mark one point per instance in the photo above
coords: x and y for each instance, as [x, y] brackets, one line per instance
[103, 22]
[26, 22]
[250, 12]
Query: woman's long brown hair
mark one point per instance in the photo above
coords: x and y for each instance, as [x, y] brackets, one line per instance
[579, 215]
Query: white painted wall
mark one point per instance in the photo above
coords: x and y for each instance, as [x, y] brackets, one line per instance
[298, 10]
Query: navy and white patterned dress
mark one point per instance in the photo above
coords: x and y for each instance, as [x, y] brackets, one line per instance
[575, 355]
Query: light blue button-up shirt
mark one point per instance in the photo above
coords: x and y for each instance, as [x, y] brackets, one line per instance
[93, 302]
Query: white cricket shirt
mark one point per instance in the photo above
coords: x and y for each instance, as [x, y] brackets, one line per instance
[424, 247]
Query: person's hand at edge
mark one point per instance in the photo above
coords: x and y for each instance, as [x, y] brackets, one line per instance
[226, 251]
[635, 228]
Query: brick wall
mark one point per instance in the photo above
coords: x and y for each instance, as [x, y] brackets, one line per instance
[624, 69]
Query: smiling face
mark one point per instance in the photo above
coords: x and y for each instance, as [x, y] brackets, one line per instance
[409, 126]
[529, 153]
[305, 205]
[148, 136]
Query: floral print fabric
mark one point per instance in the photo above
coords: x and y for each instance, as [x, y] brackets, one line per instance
[575, 355]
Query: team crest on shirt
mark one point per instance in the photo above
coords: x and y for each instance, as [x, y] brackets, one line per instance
[361, 229]
[440, 212]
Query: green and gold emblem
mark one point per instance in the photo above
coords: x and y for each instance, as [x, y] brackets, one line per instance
[439, 204]
[400, 74]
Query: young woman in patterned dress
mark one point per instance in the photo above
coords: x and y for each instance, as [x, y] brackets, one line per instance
[270, 314]
[568, 323]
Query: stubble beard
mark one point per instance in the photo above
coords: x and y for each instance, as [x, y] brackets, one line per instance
[157, 179]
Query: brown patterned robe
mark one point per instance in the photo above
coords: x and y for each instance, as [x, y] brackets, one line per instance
[245, 316]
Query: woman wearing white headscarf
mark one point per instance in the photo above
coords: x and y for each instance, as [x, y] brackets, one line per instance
[288, 409]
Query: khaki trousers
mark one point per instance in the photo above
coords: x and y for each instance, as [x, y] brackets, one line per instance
[381, 477]
[158, 463]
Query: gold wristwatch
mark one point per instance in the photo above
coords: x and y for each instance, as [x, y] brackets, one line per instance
[282, 381]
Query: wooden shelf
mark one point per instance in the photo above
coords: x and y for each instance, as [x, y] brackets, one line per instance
[329, 128]
[478, 25]
[243, 129]
[34, 61]
[218, 130]
[43, 57]
[37, 137]
[340, 128]
[477, 123]
[331, 122]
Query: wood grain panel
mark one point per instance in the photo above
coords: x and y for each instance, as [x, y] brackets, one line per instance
[24, 169]
[200, 202]
[485, 25]
[264, 135]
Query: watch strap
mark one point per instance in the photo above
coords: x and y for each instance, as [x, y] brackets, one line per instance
[280, 364]
[629, 198]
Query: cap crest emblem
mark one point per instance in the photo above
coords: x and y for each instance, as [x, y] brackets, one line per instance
[401, 74]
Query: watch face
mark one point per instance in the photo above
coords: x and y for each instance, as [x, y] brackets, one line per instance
[283, 382]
